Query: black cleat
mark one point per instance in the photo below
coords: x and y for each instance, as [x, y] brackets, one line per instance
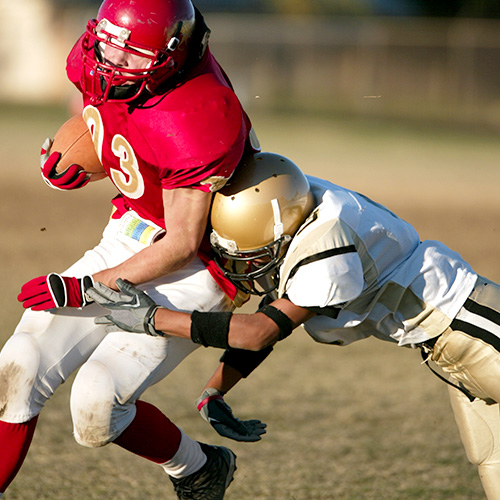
[212, 480]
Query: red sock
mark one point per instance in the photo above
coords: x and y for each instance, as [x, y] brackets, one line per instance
[150, 435]
[15, 440]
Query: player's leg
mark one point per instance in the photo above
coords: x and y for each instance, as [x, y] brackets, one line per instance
[104, 409]
[470, 352]
[47, 346]
[479, 426]
[105, 391]
[106, 387]
[44, 350]
[17, 439]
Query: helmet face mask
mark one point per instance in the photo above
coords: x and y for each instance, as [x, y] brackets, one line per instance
[107, 81]
[255, 272]
[254, 218]
[151, 36]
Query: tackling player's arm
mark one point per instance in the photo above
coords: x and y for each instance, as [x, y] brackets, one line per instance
[133, 310]
[186, 214]
[246, 331]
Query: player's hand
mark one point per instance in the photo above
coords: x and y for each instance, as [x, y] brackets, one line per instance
[72, 178]
[53, 290]
[130, 309]
[219, 415]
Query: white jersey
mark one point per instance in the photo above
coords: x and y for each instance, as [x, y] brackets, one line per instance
[366, 272]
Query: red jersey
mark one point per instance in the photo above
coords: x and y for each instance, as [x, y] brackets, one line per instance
[192, 136]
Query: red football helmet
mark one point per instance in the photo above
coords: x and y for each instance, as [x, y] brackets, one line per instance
[156, 30]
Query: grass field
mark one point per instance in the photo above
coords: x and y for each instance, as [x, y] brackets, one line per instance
[361, 422]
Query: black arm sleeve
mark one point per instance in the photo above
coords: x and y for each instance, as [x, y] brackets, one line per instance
[245, 361]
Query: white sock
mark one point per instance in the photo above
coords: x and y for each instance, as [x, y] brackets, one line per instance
[188, 459]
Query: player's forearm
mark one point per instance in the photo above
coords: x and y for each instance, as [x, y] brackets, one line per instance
[225, 330]
[152, 262]
[252, 332]
[224, 378]
[246, 331]
[175, 323]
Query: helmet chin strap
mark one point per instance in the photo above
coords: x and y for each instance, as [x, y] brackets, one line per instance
[278, 225]
[120, 91]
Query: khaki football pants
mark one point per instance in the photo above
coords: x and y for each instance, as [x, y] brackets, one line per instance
[472, 359]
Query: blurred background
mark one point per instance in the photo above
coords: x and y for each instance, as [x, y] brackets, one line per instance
[398, 99]
[432, 60]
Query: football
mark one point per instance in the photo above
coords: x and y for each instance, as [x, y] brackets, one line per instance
[74, 142]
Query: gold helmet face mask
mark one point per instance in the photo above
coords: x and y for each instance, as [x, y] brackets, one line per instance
[255, 216]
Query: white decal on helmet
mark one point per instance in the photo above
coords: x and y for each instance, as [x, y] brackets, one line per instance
[121, 35]
[278, 225]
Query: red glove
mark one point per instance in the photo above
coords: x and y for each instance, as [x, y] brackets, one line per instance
[72, 178]
[48, 292]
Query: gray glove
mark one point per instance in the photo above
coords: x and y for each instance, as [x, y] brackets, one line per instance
[219, 415]
[130, 309]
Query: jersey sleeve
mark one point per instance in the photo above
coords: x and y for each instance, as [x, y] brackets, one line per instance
[322, 267]
[209, 139]
[330, 279]
[208, 178]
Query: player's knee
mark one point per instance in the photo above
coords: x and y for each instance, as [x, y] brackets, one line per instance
[479, 455]
[478, 424]
[481, 445]
[92, 401]
[19, 362]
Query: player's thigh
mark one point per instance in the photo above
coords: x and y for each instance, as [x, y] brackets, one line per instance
[479, 425]
[133, 362]
[137, 361]
[191, 288]
[44, 350]
[470, 348]
[470, 361]
[107, 386]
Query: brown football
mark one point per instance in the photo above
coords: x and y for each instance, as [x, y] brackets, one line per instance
[74, 142]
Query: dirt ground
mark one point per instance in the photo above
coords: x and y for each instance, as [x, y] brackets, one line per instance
[362, 422]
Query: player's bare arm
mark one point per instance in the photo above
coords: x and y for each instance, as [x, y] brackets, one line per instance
[252, 332]
[132, 310]
[185, 227]
[186, 213]
[224, 378]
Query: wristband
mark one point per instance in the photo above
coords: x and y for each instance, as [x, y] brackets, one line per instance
[284, 323]
[210, 395]
[210, 329]
[149, 322]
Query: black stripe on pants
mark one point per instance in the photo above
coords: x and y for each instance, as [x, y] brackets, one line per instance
[474, 330]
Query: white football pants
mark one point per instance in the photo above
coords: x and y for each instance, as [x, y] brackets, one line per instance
[115, 368]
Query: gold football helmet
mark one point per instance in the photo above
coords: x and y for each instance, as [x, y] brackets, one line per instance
[255, 216]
